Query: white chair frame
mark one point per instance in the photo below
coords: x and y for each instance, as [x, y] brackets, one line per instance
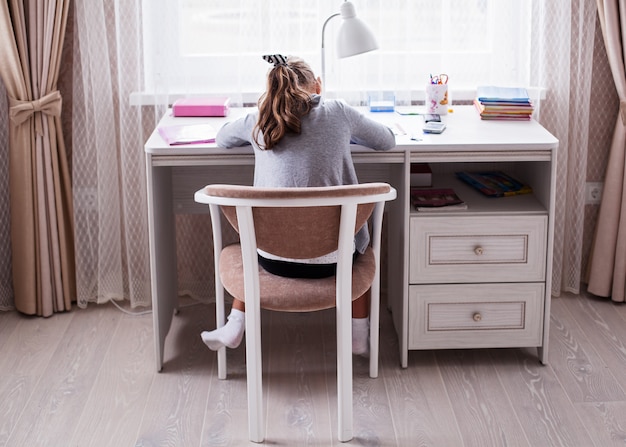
[244, 206]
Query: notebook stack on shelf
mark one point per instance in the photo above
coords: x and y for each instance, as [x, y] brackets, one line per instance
[494, 183]
[503, 103]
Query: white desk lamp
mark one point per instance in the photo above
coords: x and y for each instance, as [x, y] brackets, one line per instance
[354, 36]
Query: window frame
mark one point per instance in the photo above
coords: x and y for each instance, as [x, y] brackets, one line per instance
[166, 78]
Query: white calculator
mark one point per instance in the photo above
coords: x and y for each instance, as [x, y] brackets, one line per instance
[434, 127]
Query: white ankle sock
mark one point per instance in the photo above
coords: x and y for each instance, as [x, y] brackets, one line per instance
[360, 336]
[229, 335]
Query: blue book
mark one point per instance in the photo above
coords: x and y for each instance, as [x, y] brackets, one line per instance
[502, 94]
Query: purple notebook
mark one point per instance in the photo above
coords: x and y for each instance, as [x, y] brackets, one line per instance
[188, 134]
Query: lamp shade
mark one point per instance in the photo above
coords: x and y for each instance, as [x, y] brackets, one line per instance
[354, 36]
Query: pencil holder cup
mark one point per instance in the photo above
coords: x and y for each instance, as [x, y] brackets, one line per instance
[437, 99]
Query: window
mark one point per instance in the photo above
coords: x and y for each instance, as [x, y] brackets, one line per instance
[199, 46]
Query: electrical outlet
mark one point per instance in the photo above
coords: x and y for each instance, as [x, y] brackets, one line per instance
[593, 193]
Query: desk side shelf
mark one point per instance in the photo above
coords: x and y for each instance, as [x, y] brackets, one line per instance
[478, 203]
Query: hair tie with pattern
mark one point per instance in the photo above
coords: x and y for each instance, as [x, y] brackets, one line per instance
[276, 59]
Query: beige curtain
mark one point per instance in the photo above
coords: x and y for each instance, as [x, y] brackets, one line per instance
[31, 39]
[607, 267]
[6, 280]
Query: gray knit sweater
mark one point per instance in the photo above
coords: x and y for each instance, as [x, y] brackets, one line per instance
[319, 155]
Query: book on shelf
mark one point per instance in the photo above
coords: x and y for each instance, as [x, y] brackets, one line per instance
[503, 103]
[188, 134]
[436, 199]
[494, 183]
[421, 175]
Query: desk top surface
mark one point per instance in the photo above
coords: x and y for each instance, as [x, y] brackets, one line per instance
[465, 132]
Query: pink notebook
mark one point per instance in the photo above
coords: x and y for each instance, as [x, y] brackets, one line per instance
[208, 106]
[188, 134]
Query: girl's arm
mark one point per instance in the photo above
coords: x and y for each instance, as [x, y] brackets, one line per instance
[236, 133]
[369, 133]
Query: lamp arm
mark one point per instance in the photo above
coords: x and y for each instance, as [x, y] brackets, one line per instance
[323, 50]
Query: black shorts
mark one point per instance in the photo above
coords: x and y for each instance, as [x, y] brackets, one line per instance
[299, 269]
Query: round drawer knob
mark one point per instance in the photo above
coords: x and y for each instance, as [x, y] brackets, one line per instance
[477, 316]
[479, 251]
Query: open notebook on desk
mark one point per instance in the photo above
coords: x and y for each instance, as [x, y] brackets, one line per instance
[188, 134]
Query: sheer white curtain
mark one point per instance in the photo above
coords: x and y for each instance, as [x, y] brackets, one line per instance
[192, 47]
[562, 55]
[109, 132]
[112, 260]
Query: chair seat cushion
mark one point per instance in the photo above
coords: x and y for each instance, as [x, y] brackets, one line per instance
[293, 294]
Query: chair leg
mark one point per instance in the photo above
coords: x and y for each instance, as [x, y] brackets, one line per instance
[256, 419]
[374, 326]
[344, 374]
[377, 220]
[220, 315]
[220, 320]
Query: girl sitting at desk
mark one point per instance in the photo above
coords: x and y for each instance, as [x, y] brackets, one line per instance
[301, 140]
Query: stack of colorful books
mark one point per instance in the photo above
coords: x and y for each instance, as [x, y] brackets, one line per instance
[503, 103]
[494, 183]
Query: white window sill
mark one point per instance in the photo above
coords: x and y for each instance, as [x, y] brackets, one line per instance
[250, 99]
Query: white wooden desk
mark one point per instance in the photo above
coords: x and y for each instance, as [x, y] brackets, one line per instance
[524, 149]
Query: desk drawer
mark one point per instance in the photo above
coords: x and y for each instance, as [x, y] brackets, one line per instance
[477, 249]
[475, 315]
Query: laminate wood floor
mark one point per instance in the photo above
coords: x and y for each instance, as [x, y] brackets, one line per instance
[87, 378]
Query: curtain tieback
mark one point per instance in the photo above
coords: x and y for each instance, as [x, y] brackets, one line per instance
[20, 111]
